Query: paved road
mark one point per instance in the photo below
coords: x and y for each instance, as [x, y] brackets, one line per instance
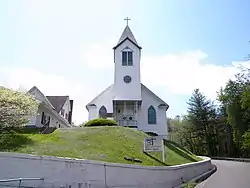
[229, 174]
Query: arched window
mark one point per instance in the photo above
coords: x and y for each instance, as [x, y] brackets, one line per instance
[103, 112]
[151, 115]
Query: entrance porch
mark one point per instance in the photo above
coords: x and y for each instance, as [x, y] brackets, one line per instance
[126, 113]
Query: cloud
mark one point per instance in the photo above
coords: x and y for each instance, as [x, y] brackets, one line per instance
[181, 73]
[98, 56]
[25, 78]
[173, 75]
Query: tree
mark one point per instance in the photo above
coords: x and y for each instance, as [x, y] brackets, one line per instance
[246, 143]
[202, 116]
[235, 97]
[16, 107]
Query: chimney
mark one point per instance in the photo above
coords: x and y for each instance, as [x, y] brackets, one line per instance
[70, 112]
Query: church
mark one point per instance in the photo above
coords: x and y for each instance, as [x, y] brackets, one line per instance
[129, 102]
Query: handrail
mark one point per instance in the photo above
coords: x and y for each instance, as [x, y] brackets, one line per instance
[20, 179]
[46, 126]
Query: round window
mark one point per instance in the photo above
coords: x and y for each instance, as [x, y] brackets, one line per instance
[127, 79]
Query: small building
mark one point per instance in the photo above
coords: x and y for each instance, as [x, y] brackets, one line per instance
[53, 111]
[127, 100]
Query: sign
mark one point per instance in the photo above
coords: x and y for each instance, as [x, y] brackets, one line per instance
[153, 144]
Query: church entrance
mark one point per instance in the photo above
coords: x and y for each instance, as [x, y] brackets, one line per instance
[126, 113]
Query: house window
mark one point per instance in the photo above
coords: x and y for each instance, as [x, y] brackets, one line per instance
[66, 116]
[151, 115]
[127, 58]
[62, 112]
[43, 118]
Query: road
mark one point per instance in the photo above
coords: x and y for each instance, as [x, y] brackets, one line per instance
[229, 174]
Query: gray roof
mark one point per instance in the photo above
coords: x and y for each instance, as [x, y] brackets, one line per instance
[57, 101]
[127, 33]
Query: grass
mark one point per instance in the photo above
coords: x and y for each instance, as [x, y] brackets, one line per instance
[110, 144]
[189, 185]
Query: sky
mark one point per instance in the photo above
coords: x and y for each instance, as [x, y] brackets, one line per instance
[65, 47]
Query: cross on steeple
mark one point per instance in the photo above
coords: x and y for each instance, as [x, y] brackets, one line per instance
[127, 19]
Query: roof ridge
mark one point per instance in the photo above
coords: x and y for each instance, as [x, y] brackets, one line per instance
[36, 88]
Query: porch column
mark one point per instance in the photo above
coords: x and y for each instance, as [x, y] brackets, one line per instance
[136, 115]
[114, 111]
[124, 112]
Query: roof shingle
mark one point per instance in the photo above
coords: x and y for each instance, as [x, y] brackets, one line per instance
[57, 101]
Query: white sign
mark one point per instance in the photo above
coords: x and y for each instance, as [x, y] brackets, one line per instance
[153, 144]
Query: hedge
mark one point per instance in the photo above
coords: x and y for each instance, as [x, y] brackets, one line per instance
[100, 122]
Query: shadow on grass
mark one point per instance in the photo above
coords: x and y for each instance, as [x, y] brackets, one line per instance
[11, 141]
[174, 147]
[154, 158]
[177, 145]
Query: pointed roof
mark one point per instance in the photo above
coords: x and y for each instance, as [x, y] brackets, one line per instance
[57, 101]
[127, 34]
[43, 97]
[110, 90]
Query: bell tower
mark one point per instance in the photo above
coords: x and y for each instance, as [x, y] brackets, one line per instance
[127, 56]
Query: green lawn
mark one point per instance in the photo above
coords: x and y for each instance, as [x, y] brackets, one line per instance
[189, 185]
[110, 144]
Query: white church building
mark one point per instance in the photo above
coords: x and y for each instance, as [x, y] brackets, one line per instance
[127, 100]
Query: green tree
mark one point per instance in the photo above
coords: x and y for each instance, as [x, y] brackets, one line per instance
[246, 143]
[235, 97]
[15, 107]
[202, 116]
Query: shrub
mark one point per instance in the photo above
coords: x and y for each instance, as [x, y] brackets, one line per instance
[100, 122]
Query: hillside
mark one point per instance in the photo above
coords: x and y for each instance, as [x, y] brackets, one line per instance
[110, 144]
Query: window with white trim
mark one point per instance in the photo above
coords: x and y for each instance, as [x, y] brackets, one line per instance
[127, 58]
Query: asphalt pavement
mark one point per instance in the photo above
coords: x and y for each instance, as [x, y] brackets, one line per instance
[229, 174]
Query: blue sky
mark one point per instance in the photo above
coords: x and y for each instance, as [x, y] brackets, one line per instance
[65, 47]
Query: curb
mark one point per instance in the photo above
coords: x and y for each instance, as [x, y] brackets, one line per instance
[200, 178]
[247, 160]
[205, 175]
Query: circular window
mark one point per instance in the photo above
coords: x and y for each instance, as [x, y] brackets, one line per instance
[127, 79]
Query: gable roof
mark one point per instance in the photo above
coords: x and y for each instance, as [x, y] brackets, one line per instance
[162, 102]
[91, 103]
[57, 101]
[45, 99]
[127, 34]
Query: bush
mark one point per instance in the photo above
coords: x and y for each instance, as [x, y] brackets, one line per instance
[100, 122]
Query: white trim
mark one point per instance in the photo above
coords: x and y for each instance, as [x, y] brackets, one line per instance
[57, 115]
[35, 88]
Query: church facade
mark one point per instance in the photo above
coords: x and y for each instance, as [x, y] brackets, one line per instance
[127, 100]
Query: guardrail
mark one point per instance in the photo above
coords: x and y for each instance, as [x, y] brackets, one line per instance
[19, 180]
[232, 159]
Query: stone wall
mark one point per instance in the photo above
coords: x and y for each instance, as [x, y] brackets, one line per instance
[80, 173]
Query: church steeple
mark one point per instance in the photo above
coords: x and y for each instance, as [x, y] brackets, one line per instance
[127, 34]
[127, 79]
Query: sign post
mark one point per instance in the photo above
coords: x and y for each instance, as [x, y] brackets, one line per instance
[163, 150]
[155, 144]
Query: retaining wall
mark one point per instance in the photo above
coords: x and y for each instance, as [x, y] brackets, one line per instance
[80, 173]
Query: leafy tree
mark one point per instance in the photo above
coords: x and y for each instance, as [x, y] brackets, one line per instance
[246, 141]
[15, 107]
[235, 97]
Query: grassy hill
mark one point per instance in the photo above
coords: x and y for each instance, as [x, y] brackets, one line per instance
[110, 144]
